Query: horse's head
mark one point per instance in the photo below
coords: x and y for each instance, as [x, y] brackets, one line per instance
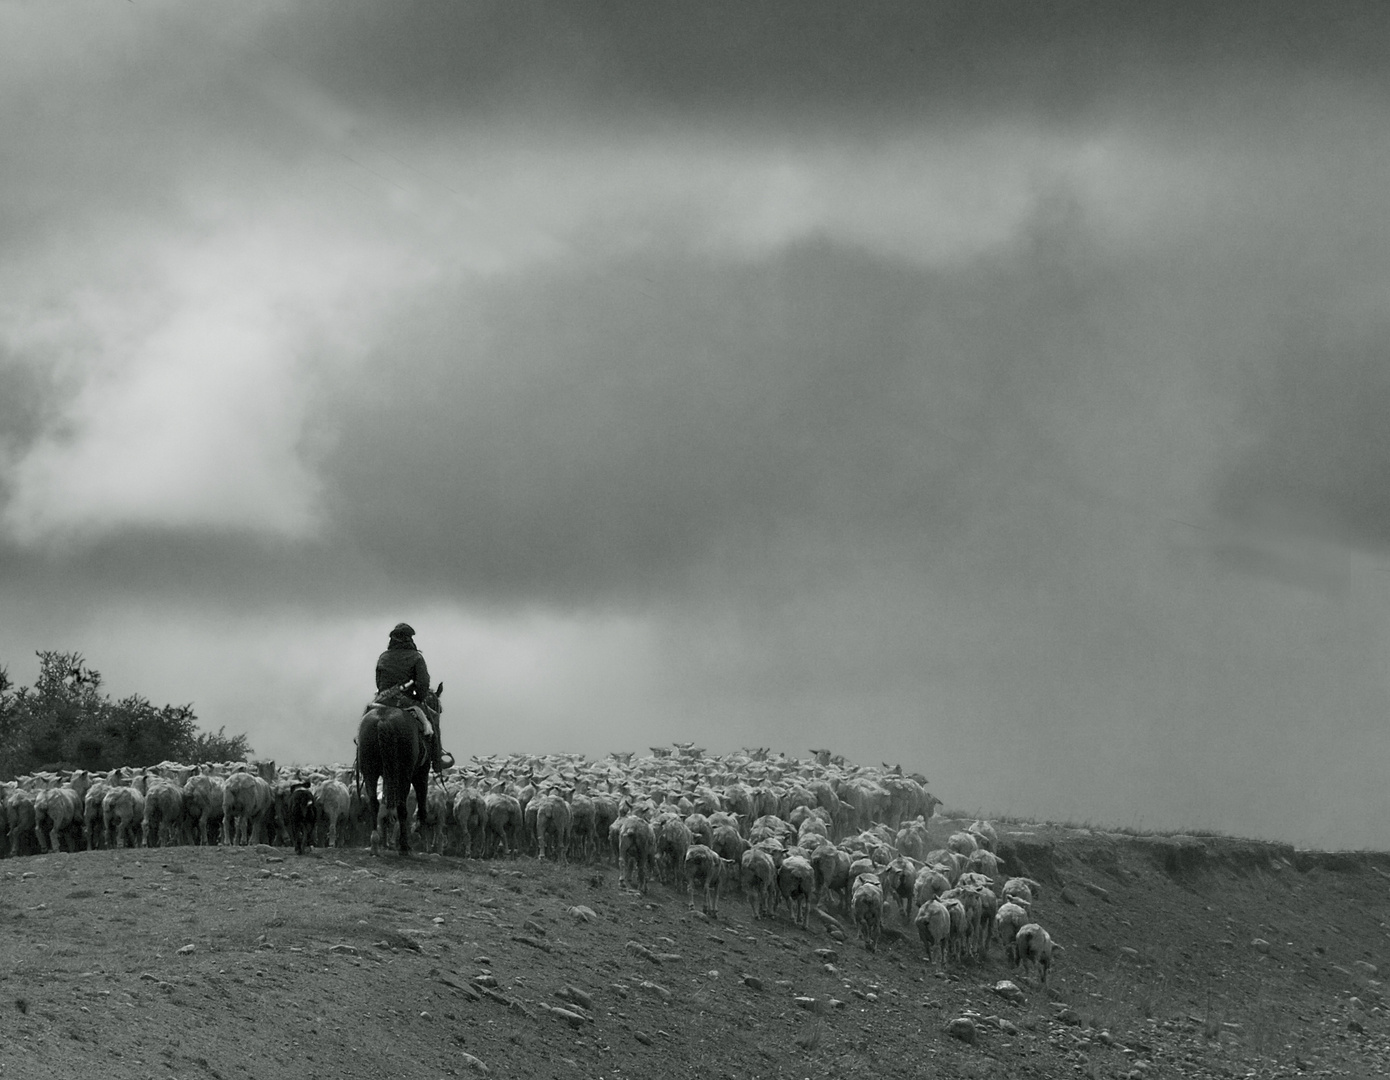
[432, 698]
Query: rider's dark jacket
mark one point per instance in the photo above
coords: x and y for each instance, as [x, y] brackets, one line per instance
[402, 661]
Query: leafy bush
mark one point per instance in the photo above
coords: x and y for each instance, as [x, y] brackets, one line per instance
[65, 721]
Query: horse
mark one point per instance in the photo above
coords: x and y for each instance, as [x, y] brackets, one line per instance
[390, 748]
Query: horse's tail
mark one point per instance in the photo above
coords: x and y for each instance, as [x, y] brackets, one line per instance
[395, 771]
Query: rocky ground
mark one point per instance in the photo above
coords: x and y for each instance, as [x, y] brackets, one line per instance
[1183, 957]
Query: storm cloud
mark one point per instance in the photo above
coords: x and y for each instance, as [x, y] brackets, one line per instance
[996, 389]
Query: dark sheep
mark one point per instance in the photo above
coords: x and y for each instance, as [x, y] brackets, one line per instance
[304, 816]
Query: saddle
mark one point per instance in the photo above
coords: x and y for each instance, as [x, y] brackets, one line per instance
[398, 700]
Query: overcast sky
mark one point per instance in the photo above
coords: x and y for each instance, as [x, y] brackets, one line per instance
[1000, 389]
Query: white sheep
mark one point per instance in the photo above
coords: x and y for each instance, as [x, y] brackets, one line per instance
[984, 834]
[796, 883]
[759, 880]
[933, 923]
[1008, 920]
[866, 903]
[929, 884]
[956, 942]
[705, 871]
[951, 863]
[1034, 946]
[962, 843]
[985, 861]
[1020, 890]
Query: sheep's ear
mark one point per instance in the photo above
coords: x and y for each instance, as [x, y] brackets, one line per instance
[439, 690]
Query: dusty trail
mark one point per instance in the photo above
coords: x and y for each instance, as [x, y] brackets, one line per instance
[342, 965]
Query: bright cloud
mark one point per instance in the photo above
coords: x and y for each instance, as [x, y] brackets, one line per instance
[193, 370]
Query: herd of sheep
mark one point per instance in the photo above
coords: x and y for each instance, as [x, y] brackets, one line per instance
[807, 834]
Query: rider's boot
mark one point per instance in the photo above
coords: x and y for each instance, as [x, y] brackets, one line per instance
[439, 760]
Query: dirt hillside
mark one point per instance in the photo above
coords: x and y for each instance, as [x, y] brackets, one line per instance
[1183, 957]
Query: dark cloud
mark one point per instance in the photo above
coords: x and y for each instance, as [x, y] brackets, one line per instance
[27, 397]
[606, 427]
[870, 60]
[230, 571]
[1320, 457]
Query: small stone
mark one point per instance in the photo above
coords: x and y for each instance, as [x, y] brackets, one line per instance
[582, 913]
[187, 949]
[349, 949]
[426, 1015]
[752, 982]
[1007, 990]
[642, 1037]
[1356, 1026]
[1129, 953]
[1260, 945]
[962, 1028]
[438, 920]
[1070, 1017]
[1008, 1027]
[473, 1063]
[574, 994]
[638, 949]
[570, 1017]
[1369, 968]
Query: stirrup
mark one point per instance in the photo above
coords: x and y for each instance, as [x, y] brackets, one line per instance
[446, 760]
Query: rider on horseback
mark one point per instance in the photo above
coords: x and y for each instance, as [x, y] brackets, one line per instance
[402, 663]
